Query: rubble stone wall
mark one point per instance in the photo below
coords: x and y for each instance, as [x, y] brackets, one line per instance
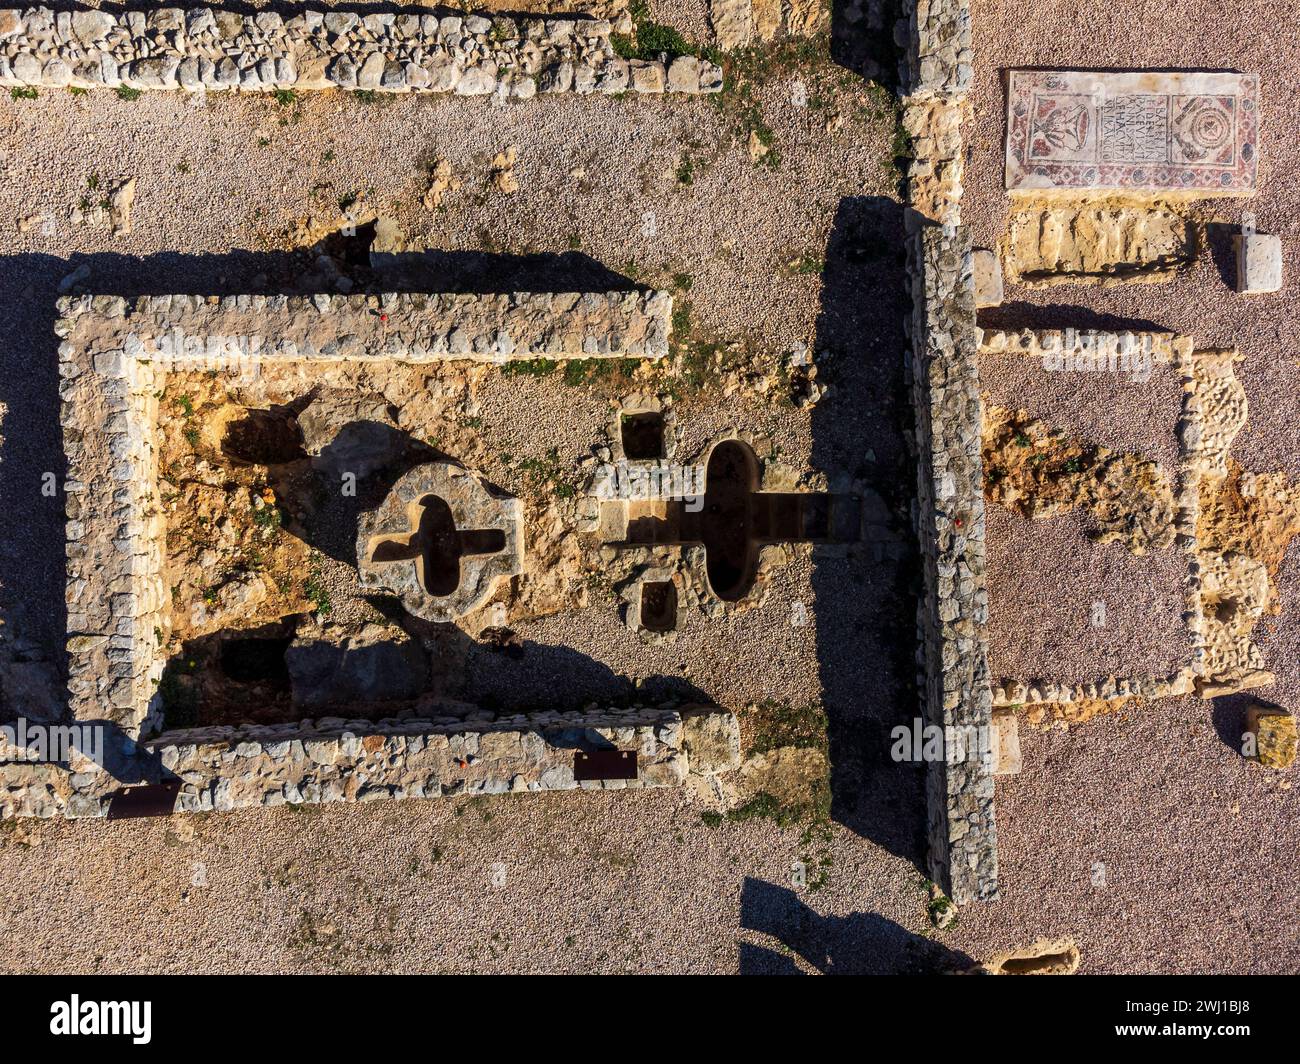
[115, 531]
[209, 49]
[953, 613]
[333, 760]
[336, 760]
[212, 332]
[944, 376]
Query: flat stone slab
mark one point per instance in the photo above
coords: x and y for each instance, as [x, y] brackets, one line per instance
[1082, 130]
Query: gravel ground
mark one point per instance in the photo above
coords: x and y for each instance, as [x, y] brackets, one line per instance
[1123, 412]
[586, 883]
[1044, 576]
[1045, 579]
[1198, 846]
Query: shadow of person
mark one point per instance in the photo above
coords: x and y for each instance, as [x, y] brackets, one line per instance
[857, 944]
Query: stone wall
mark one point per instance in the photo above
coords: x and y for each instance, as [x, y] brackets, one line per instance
[112, 355]
[939, 60]
[953, 613]
[944, 378]
[332, 760]
[336, 760]
[217, 332]
[199, 49]
[937, 72]
[115, 533]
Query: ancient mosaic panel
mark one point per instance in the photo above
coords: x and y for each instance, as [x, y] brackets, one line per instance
[1070, 129]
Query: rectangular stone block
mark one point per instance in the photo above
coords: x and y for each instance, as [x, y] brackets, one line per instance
[987, 269]
[1172, 132]
[1006, 743]
[1259, 263]
[1274, 732]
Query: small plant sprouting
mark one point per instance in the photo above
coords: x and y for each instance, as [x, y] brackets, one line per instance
[125, 92]
[25, 92]
[808, 263]
[529, 367]
[317, 594]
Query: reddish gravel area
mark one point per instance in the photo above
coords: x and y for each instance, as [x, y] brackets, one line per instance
[1147, 838]
[1065, 609]
[1198, 845]
[1135, 412]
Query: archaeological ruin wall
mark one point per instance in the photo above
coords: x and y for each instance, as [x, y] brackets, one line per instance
[213, 49]
[944, 373]
[114, 355]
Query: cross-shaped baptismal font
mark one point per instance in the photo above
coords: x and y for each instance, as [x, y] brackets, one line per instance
[735, 519]
[441, 540]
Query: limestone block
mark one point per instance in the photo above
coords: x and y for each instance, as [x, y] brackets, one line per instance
[1274, 732]
[733, 22]
[711, 739]
[1006, 743]
[1044, 957]
[1259, 262]
[988, 278]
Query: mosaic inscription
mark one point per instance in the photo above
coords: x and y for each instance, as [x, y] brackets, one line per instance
[1086, 130]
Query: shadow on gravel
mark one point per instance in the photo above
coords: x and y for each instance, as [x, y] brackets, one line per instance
[857, 944]
[866, 602]
[283, 672]
[1060, 316]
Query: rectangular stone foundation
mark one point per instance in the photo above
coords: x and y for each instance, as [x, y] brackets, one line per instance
[113, 358]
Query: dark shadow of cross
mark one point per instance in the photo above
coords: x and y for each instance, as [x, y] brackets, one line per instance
[438, 546]
[733, 519]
